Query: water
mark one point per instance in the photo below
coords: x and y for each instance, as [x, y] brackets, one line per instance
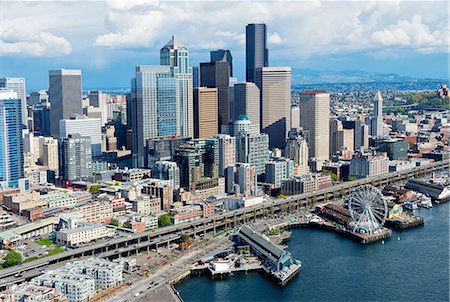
[414, 268]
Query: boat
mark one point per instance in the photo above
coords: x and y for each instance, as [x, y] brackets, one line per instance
[410, 206]
[424, 201]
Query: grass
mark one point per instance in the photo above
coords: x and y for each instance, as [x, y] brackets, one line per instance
[44, 241]
[56, 250]
[30, 259]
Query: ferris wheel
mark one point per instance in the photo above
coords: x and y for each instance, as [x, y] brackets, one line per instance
[368, 208]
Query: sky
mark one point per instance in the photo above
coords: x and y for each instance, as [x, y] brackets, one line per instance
[107, 39]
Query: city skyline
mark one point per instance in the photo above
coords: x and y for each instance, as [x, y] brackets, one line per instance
[379, 37]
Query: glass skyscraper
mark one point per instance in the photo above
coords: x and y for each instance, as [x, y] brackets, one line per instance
[176, 57]
[18, 86]
[256, 52]
[155, 110]
[11, 144]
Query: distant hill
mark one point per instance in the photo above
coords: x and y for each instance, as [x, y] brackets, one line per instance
[311, 76]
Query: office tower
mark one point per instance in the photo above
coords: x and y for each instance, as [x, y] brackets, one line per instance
[275, 94]
[217, 75]
[18, 86]
[247, 101]
[251, 146]
[357, 131]
[340, 138]
[227, 152]
[232, 118]
[75, 157]
[49, 157]
[297, 150]
[205, 112]
[377, 116]
[11, 144]
[176, 57]
[155, 108]
[279, 169]
[256, 52]
[167, 170]
[195, 77]
[241, 178]
[295, 117]
[223, 55]
[162, 148]
[198, 163]
[37, 97]
[314, 117]
[41, 119]
[88, 127]
[64, 95]
[99, 99]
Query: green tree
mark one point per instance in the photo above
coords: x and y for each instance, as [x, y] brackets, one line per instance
[115, 223]
[352, 178]
[95, 188]
[164, 220]
[11, 259]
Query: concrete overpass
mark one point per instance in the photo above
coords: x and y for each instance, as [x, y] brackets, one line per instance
[135, 243]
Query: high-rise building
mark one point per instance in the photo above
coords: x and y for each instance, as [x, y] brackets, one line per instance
[167, 170]
[162, 148]
[376, 128]
[340, 138]
[18, 86]
[223, 55]
[279, 169]
[75, 158]
[205, 112]
[90, 127]
[37, 97]
[198, 163]
[99, 100]
[314, 117]
[295, 117]
[41, 119]
[227, 152]
[217, 75]
[256, 52]
[252, 146]
[195, 77]
[247, 101]
[275, 94]
[11, 144]
[358, 130]
[64, 95]
[241, 178]
[176, 57]
[297, 150]
[155, 108]
[369, 164]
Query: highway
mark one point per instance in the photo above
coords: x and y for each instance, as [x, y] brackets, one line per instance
[149, 239]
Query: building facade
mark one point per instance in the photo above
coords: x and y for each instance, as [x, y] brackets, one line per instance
[256, 52]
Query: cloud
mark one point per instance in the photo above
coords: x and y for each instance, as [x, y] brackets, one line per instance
[274, 38]
[21, 42]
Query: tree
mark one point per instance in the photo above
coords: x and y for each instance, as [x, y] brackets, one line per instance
[115, 223]
[11, 259]
[352, 178]
[164, 220]
[95, 188]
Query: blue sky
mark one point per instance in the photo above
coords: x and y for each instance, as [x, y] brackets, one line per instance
[107, 39]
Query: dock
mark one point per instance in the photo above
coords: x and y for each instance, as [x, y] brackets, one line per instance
[404, 221]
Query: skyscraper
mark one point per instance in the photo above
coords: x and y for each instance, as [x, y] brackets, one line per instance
[376, 128]
[90, 127]
[227, 152]
[247, 101]
[314, 117]
[205, 112]
[99, 99]
[195, 77]
[18, 86]
[155, 108]
[75, 157]
[64, 95]
[275, 94]
[297, 150]
[223, 55]
[11, 143]
[256, 52]
[217, 75]
[176, 57]
[167, 170]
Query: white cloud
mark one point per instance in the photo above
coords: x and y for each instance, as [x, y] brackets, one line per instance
[27, 43]
[274, 38]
